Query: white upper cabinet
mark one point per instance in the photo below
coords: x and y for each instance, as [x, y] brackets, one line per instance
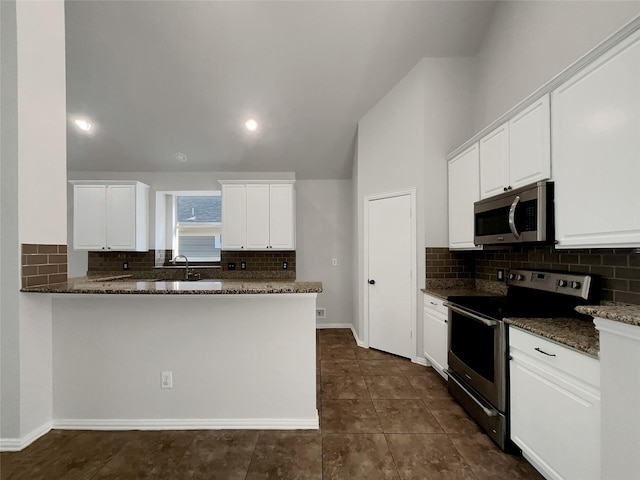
[596, 151]
[233, 216]
[258, 216]
[464, 190]
[494, 162]
[89, 217]
[111, 216]
[282, 224]
[530, 144]
[518, 152]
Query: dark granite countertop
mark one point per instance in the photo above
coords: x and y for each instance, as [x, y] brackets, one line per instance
[126, 285]
[580, 335]
[629, 314]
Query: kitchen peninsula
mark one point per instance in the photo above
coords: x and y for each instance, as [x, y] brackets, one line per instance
[131, 354]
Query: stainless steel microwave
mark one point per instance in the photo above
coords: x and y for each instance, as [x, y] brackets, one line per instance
[517, 216]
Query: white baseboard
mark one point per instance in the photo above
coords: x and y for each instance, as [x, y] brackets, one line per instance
[421, 361]
[189, 424]
[320, 326]
[358, 341]
[17, 444]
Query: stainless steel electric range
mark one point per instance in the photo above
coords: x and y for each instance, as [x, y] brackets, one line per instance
[478, 344]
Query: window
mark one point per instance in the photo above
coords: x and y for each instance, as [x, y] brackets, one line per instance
[197, 226]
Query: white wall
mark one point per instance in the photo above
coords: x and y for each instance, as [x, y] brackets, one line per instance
[530, 42]
[324, 231]
[42, 121]
[33, 205]
[391, 158]
[402, 142]
[448, 101]
[237, 361]
[9, 243]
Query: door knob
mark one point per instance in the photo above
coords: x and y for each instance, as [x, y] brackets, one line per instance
[372, 282]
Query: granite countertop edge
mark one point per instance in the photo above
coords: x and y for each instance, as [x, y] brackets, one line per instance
[629, 314]
[576, 334]
[108, 286]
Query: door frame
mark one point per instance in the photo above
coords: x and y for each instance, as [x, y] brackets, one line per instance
[411, 192]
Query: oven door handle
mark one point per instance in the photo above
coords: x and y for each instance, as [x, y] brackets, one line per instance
[488, 323]
[512, 217]
[488, 412]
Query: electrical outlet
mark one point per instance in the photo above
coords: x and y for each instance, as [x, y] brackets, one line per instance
[166, 380]
[285, 265]
[334, 262]
[500, 274]
[243, 265]
[231, 266]
[321, 312]
[125, 265]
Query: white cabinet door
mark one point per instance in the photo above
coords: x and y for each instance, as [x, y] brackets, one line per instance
[596, 151]
[555, 414]
[530, 144]
[436, 335]
[233, 217]
[121, 217]
[257, 217]
[281, 225]
[463, 192]
[89, 217]
[494, 162]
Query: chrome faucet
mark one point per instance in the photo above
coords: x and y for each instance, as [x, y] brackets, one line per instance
[186, 264]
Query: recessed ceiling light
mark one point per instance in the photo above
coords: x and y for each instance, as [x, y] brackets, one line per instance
[181, 157]
[83, 124]
[251, 125]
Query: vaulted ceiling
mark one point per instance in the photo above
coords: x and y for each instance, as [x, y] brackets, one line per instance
[157, 78]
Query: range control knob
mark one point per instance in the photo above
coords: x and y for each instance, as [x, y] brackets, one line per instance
[562, 283]
[520, 278]
[512, 276]
[576, 285]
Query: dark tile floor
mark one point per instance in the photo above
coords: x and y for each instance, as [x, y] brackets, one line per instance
[382, 417]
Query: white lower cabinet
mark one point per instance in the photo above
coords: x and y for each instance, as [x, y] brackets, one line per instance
[436, 335]
[555, 407]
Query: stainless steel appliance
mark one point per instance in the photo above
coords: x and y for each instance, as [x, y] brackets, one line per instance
[516, 216]
[478, 366]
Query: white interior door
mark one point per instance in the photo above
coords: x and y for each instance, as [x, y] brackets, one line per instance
[390, 283]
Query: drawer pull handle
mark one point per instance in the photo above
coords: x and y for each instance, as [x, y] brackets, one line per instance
[433, 303]
[545, 353]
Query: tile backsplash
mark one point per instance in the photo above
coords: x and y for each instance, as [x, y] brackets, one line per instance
[258, 264]
[43, 264]
[617, 269]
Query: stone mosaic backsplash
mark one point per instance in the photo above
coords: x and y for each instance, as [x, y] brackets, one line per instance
[43, 264]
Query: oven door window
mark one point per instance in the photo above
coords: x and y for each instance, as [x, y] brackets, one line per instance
[474, 344]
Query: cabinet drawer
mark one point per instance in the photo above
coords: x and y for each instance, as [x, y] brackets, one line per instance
[435, 303]
[539, 350]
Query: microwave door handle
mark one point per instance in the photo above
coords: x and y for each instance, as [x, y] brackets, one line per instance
[512, 217]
